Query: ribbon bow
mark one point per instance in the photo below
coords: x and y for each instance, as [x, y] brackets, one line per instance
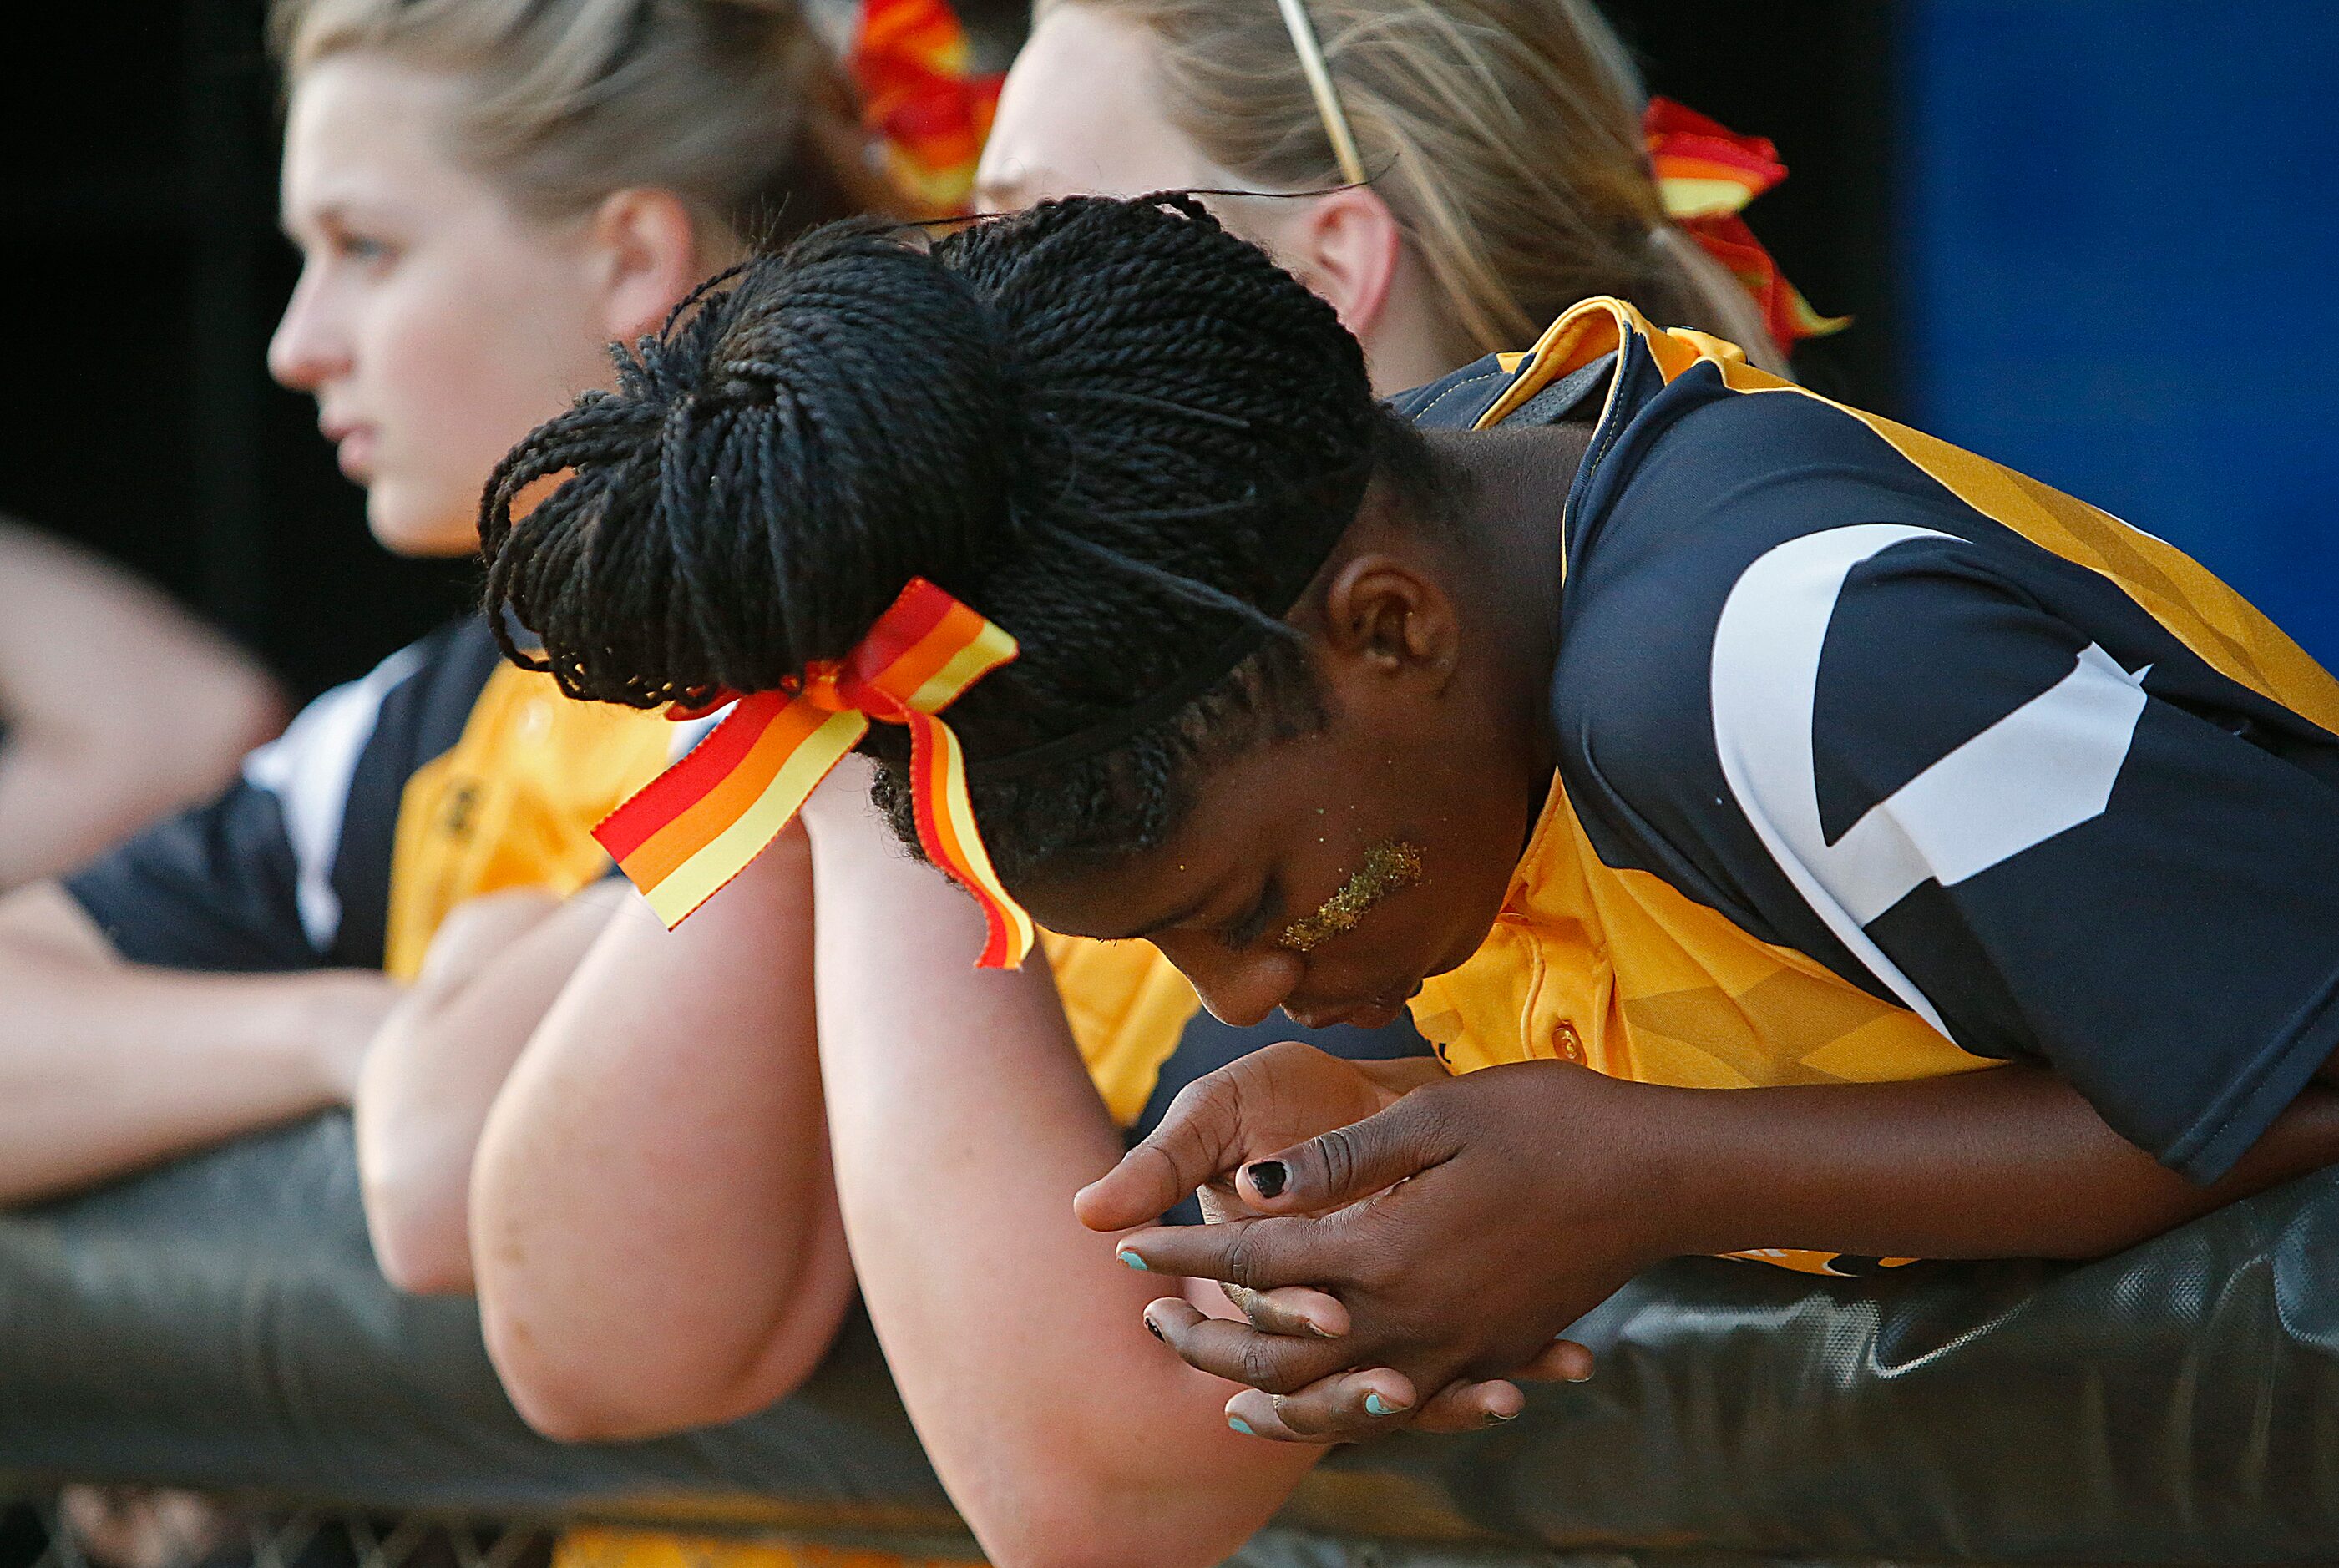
[1705, 174]
[697, 824]
[923, 100]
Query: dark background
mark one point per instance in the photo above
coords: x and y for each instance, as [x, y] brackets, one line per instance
[2091, 238]
[142, 241]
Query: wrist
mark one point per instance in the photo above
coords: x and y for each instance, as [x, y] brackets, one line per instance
[335, 1016]
[1711, 1190]
[1657, 1164]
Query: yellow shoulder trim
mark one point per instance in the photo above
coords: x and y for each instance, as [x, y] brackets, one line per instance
[512, 803]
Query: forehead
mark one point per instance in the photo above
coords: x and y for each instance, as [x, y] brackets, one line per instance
[1268, 806]
[1057, 135]
[363, 130]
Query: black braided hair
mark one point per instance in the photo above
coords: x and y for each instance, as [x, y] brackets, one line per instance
[1102, 423]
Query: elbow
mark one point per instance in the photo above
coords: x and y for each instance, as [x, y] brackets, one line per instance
[581, 1379]
[248, 710]
[419, 1232]
[1068, 1521]
[206, 726]
[1124, 1497]
[561, 1408]
[420, 1265]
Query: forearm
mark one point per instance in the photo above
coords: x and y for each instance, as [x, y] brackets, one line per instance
[434, 1070]
[655, 1229]
[2011, 1161]
[65, 797]
[962, 1123]
[177, 706]
[106, 1066]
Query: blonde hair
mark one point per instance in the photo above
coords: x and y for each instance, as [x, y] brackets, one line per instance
[714, 100]
[1504, 135]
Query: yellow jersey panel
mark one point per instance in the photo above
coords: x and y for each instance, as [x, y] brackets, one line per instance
[513, 804]
[1127, 1006]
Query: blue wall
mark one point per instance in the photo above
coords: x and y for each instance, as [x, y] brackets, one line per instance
[2119, 258]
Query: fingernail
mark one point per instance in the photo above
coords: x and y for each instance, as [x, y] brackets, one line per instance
[1268, 1176]
[1154, 1329]
[1132, 1259]
[1496, 1418]
[1239, 1425]
[1318, 1331]
[1581, 1377]
[1376, 1406]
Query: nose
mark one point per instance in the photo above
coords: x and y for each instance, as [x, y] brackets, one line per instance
[306, 352]
[1240, 989]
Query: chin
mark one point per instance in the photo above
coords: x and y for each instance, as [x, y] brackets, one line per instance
[406, 524]
[1459, 951]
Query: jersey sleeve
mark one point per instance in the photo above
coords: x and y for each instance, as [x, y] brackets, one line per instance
[2048, 850]
[245, 882]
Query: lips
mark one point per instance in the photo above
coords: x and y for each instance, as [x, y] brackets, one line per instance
[1376, 1012]
[1375, 1015]
[353, 447]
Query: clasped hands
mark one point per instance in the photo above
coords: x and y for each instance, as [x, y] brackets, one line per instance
[1404, 1245]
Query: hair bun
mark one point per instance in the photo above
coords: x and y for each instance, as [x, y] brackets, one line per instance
[810, 431]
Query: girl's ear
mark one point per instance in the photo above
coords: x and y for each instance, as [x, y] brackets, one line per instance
[1386, 620]
[1345, 246]
[647, 247]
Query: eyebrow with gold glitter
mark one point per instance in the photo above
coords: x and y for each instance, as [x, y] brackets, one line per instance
[1389, 868]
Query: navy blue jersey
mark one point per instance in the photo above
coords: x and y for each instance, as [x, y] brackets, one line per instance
[443, 774]
[1981, 751]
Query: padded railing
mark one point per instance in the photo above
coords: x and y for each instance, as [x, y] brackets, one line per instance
[219, 1324]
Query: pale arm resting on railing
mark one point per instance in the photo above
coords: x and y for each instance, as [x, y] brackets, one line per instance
[654, 1224]
[963, 1121]
[106, 1066]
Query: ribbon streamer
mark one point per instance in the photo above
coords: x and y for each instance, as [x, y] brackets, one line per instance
[699, 823]
[923, 101]
[1705, 174]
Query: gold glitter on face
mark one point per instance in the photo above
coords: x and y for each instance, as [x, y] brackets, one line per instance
[1389, 868]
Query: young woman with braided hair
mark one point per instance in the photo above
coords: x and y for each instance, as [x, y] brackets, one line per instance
[1629, 709]
[1515, 177]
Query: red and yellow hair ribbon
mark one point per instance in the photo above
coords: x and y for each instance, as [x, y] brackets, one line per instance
[923, 101]
[1705, 174]
[697, 825]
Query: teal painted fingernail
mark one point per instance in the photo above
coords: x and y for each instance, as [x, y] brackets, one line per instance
[1239, 1425]
[1132, 1259]
[1376, 1406]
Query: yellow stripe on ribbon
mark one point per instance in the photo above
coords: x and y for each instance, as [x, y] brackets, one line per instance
[946, 827]
[699, 823]
[727, 854]
[1706, 176]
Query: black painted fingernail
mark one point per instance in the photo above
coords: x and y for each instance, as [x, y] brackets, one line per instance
[1268, 1176]
[1154, 1329]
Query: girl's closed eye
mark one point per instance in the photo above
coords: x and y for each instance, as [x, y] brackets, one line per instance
[364, 250]
[1263, 912]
